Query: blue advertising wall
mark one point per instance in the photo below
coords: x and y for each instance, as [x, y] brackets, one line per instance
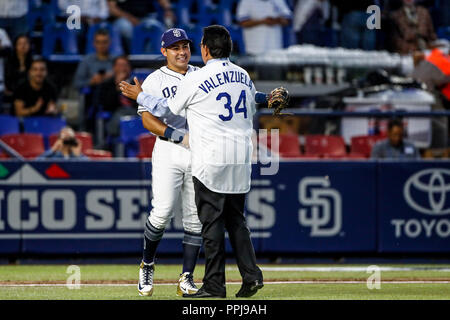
[101, 207]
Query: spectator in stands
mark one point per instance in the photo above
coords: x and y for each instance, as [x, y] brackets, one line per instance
[36, 96]
[263, 23]
[112, 100]
[434, 70]
[97, 66]
[129, 13]
[92, 11]
[309, 20]
[394, 147]
[412, 28]
[66, 147]
[18, 64]
[5, 45]
[353, 18]
[13, 17]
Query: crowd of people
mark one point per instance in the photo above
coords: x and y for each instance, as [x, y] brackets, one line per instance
[26, 88]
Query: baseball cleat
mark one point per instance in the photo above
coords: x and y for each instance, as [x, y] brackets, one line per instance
[145, 285]
[186, 284]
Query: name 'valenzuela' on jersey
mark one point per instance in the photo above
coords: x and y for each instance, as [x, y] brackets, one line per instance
[226, 77]
[219, 100]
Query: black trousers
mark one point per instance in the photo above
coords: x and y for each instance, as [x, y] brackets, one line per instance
[219, 212]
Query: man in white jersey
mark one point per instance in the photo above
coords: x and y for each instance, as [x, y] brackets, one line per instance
[171, 167]
[219, 100]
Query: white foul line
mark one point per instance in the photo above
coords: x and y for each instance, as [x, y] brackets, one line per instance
[228, 283]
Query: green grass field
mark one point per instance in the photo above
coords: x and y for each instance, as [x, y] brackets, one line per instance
[110, 282]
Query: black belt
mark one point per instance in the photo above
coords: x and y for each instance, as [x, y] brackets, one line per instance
[167, 139]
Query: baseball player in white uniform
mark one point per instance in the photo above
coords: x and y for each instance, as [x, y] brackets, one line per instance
[219, 100]
[172, 183]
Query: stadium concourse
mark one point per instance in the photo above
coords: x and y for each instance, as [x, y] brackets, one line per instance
[350, 184]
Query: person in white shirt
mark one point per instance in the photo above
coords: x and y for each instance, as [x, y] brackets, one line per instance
[13, 17]
[171, 168]
[263, 22]
[219, 100]
[5, 46]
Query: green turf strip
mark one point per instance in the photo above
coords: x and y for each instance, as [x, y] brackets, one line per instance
[269, 292]
[113, 273]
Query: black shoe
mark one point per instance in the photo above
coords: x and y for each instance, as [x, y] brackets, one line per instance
[249, 289]
[201, 293]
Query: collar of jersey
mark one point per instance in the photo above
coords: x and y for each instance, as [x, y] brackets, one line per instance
[217, 60]
[167, 70]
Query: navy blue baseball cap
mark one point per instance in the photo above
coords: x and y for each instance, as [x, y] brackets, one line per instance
[173, 35]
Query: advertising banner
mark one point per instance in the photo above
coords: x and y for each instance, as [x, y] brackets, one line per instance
[414, 206]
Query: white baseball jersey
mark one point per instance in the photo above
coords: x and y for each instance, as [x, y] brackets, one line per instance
[262, 38]
[163, 83]
[172, 185]
[219, 100]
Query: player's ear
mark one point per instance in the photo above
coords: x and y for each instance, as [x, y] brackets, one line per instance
[164, 52]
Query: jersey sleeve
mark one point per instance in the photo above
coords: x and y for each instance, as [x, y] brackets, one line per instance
[149, 86]
[156, 106]
[185, 92]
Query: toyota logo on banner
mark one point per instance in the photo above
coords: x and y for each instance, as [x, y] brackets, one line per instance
[426, 191]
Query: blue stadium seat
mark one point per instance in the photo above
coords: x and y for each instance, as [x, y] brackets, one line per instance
[225, 12]
[194, 33]
[238, 38]
[38, 10]
[146, 38]
[444, 33]
[8, 124]
[58, 31]
[184, 12]
[44, 125]
[130, 129]
[115, 48]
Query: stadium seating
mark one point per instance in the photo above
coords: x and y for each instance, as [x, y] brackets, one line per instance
[444, 33]
[84, 137]
[8, 124]
[29, 145]
[115, 49]
[363, 144]
[130, 129]
[58, 31]
[43, 11]
[146, 144]
[144, 34]
[325, 146]
[44, 125]
[225, 8]
[238, 38]
[184, 13]
[289, 145]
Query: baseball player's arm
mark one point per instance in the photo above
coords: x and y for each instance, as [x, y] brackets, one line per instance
[153, 124]
[156, 106]
[157, 127]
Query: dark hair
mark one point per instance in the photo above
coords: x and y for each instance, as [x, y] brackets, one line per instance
[29, 56]
[101, 32]
[218, 40]
[124, 57]
[395, 122]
